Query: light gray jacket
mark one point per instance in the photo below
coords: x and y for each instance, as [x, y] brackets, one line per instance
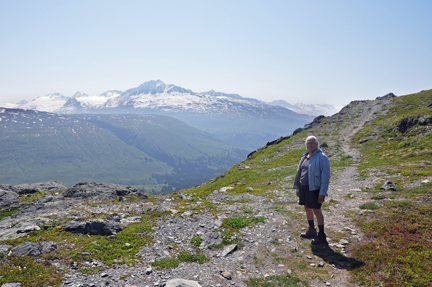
[318, 172]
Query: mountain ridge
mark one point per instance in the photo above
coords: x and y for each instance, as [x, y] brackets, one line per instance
[243, 123]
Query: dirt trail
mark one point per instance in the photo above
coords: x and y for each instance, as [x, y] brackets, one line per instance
[345, 186]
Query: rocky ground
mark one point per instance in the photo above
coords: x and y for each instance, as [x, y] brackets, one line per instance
[267, 248]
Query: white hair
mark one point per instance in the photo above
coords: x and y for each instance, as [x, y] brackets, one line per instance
[312, 137]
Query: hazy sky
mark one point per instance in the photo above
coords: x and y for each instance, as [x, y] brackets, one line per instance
[300, 51]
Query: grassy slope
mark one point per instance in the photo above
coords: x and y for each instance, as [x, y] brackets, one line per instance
[72, 153]
[131, 149]
[398, 249]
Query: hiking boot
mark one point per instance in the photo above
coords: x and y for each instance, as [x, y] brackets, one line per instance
[321, 239]
[310, 233]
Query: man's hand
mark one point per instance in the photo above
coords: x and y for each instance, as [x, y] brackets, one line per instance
[321, 199]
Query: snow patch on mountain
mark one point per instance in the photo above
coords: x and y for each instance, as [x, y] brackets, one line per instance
[47, 103]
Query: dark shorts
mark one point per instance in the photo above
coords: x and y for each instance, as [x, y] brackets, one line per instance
[309, 198]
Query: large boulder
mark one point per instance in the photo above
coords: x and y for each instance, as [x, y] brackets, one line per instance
[385, 97]
[8, 197]
[47, 186]
[7, 187]
[315, 122]
[100, 191]
[95, 227]
[407, 123]
[33, 249]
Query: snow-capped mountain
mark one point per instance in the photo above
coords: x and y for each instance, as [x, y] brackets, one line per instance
[153, 95]
[241, 122]
[311, 109]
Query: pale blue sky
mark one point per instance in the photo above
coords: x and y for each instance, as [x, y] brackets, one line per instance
[300, 51]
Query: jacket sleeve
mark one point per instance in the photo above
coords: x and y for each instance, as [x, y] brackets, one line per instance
[296, 186]
[325, 175]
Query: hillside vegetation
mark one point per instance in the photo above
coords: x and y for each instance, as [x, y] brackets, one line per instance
[377, 237]
[155, 152]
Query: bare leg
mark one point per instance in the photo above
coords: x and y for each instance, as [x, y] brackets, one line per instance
[309, 213]
[319, 216]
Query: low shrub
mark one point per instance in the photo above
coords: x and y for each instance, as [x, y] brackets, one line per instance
[186, 256]
[369, 205]
[166, 263]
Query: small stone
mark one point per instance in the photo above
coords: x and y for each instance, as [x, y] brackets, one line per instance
[344, 242]
[229, 249]
[308, 257]
[321, 264]
[149, 271]
[103, 275]
[226, 275]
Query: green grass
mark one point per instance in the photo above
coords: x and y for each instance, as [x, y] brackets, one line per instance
[391, 150]
[8, 213]
[378, 197]
[241, 222]
[25, 270]
[186, 256]
[369, 205]
[166, 263]
[121, 248]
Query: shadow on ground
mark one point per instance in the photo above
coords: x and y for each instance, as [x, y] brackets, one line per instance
[334, 257]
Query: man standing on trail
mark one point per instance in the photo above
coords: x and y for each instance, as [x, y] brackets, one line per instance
[311, 183]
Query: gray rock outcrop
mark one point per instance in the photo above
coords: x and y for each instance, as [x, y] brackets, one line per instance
[4, 248]
[34, 249]
[407, 123]
[101, 191]
[95, 227]
[211, 238]
[315, 122]
[388, 96]
[47, 186]
[8, 197]
[21, 229]
[11, 285]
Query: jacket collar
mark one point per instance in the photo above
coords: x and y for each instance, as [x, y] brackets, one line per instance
[316, 152]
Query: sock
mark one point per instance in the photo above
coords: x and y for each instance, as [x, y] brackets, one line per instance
[311, 223]
[321, 228]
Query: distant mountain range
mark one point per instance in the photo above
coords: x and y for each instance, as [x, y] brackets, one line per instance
[152, 151]
[243, 123]
[311, 109]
